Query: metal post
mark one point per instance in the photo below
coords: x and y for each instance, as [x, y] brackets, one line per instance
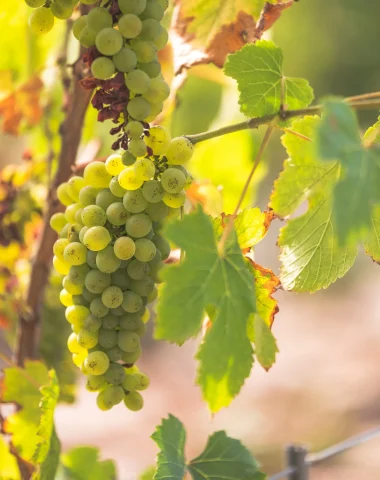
[296, 461]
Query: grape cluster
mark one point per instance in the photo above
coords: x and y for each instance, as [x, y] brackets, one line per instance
[110, 252]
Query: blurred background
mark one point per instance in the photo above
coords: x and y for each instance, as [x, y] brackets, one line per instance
[325, 385]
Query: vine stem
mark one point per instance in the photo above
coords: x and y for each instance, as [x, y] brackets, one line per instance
[230, 224]
[360, 102]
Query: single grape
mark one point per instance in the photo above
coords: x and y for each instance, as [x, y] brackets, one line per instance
[115, 353]
[77, 273]
[70, 212]
[129, 25]
[87, 295]
[138, 108]
[102, 404]
[128, 341]
[130, 382]
[162, 39]
[66, 298]
[98, 309]
[112, 297]
[134, 129]
[134, 201]
[80, 300]
[144, 168]
[137, 81]
[145, 250]
[97, 282]
[95, 383]
[158, 90]
[87, 195]
[93, 216]
[174, 200]
[78, 359]
[73, 345]
[154, 10]
[116, 189]
[36, 3]
[132, 302]
[128, 158]
[120, 278]
[78, 26]
[152, 69]
[87, 37]
[153, 191]
[105, 198]
[97, 363]
[109, 41]
[107, 338]
[87, 339]
[137, 147]
[92, 323]
[134, 401]
[107, 261]
[125, 60]
[124, 248]
[179, 151]
[91, 258]
[143, 381]
[155, 109]
[114, 164]
[141, 330]
[115, 374]
[130, 321]
[137, 270]
[164, 4]
[158, 139]
[117, 214]
[61, 12]
[162, 245]
[173, 180]
[110, 321]
[102, 68]
[61, 266]
[145, 51]
[76, 314]
[41, 20]
[138, 225]
[58, 221]
[143, 287]
[96, 175]
[128, 180]
[129, 358]
[63, 195]
[99, 18]
[151, 29]
[132, 6]
[78, 218]
[96, 238]
[157, 211]
[71, 287]
[82, 232]
[111, 396]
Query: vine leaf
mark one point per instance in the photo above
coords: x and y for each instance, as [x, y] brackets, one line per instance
[263, 88]
[223, 457]
[170, 437]
[206, 278]
[83, 463]
[357, 191]
[8, 464]
[312, 257]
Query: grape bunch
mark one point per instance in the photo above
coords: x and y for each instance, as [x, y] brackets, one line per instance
[110, 251]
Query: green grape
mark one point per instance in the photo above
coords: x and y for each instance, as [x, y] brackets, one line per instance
[116, 189]
[77, 273]
[75, 253]
[114, 164]
[71, 287]
[99, 18]
[35, 3]
[96, 175]
[134, 401]
[82, 232]
[63, 195]
[143, 287]
[87, 195]
[61, 266]
[76, 314]
[153, 191]
[107, 261]
[130, 321]
[151, 297]
[117, 214]
[132, 6]
[137, 270]
[41, 20]
[109, 42]
[87, 295]
[95, 383]
[129, 25]
[157, 211]
[128, 341]
[153, 10]
[138, 225]
[70, 212]
[134, 129]
[146, 315]
[129, 358]
[174, 200]
[93, 216]
[115, 353]
[87, 37]
[96, 238]
[97, 363]
[124, 248]
[111, 396]
[158, 139]
[105, 198]
[66, 298]
[78, 359]
[128, 158]
[145, 250]
[144, 168]
[137, 81]
[162, 245]
[158, 91]
[161, 40]
[87, 339]
[152, 69]
[137, 147]
[155, 109]
[141, 330]
[61, 12]
[78, 217]
[58, 221]
[173, 180]
[110, 321]
[130, 382]
[98, 309]
[145, 51]
[102, 68]
[91, 259]
[78, 26]
[120, 278]
[132, 302]
[143, 381]
[89, 2]
[138, 108]
[134, 201]
[164, 3]
[128, 180]
[97, 282]
[115, 374]
[92, 323]
[67, 3]
[80, 300]
[125, 60]
[73, 345]
[112, 297]
[102, 404]
[107, 338]
[151, 29]
[179, 151]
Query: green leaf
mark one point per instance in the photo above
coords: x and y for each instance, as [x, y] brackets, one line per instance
[225, 458]
[265, 343]
[148, 474]
[372, 135]
[49, 467]
[372, 242]
[8, 464]
[170, 438]
[357, 191]
[82, 463]
[257, 68]
[207, 278]
[312, 257]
